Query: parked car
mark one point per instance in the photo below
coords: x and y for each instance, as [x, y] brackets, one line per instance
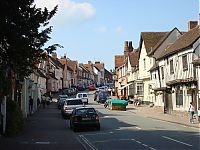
[69, 105]
[102, 97]
[83, 96]
[91, 88]
[61, 99]
[84, 117]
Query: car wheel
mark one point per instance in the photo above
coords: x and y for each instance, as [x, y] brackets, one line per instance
[98, 127]
[74, 129]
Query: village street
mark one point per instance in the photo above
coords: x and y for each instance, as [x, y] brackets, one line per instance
[46, 129]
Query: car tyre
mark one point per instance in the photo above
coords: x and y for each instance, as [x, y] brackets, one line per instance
[75, 129]
[98, 127]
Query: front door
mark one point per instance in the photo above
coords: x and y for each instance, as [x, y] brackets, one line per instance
[168, 107]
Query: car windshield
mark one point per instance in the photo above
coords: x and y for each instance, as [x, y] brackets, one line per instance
[74, 102]
[63, 96]
[103, 94]
[85, 111]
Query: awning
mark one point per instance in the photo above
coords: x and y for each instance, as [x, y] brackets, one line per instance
[125, 86]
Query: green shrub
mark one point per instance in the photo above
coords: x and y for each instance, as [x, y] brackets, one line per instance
[14, 118]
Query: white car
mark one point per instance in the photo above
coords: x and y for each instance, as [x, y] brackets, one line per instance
[69, 105]
[83, 96]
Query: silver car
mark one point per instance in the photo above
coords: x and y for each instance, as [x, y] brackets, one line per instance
[69, 105]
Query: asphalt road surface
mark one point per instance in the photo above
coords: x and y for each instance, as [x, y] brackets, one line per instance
[125, 130]
[120, 130]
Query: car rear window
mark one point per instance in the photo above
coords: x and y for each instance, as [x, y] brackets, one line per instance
[79, 95]
[74, 102]
[85, 111]
[84, 95]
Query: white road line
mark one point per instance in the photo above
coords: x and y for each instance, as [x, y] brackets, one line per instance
[87, 142]
[145, 145]
[97, 133]
[42, 142]
[138, 128]
[176, 141]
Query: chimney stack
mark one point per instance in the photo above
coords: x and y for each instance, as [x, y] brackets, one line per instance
[130, 46]
[126, 48]
[192, 24]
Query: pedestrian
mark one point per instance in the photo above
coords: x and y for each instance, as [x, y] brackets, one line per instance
[43, 101]
[30, 105]
[191, 112]
[38, 102]
[198, 113]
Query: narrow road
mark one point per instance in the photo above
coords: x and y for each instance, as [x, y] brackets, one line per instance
[125, 130]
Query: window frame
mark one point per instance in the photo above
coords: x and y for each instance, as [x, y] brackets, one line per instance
[185, 63]
[171, 66]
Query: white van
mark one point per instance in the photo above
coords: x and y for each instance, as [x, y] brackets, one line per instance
[83, 96]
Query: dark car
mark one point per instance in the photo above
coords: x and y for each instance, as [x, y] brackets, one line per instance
[84, 117]
[61, 99]
[102, 97]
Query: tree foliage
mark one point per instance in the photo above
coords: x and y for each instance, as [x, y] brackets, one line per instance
[24, 30]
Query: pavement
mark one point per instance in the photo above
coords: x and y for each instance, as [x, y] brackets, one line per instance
[45, 129]
[157, 113]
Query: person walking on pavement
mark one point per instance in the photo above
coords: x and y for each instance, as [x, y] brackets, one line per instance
[198, 113]
[191, 112]
[30, 105]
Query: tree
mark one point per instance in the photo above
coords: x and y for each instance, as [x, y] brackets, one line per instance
[24, 30]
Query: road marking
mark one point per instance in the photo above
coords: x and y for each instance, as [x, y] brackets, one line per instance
[42, 142]
[176, 141]
[103, 133]
[145, 145]
[125, 128]
[87, 142]
[138, 128]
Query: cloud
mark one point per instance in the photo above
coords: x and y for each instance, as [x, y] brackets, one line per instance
[101, 29]
[119, 29]
[69, 11]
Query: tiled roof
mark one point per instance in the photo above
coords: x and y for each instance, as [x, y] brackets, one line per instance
[119, 60]
[89, 68]
[134, 58]
[56, 62]
[99, 66]
[72, 64]
[151, 39]
[162, 40]
[186, 40]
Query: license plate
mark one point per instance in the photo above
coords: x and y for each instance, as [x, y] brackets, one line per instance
[86, 118]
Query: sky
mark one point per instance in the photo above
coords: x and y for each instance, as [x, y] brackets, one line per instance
[95, 30]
